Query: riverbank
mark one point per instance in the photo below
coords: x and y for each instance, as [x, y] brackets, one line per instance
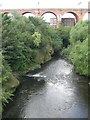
[30, 48]
[14, 81]
[15, 85]
[9, 84]
[62, 94]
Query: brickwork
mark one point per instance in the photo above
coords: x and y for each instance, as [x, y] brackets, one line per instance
[79, 13]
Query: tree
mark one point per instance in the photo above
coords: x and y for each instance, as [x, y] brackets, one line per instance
[79, 57]
[79, 52]
[64, 33]
[24, 39]
[79, 32]
[36, 39]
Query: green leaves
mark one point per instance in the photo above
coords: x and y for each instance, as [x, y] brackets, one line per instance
[24, 39]
[79, 54]
[27, 43]
[36, 38]
[78, 51]
[79, 57]
[8, 81]
[64, 33]
[79, 32]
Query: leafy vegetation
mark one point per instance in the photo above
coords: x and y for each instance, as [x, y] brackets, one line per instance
[28, 42]
[9, 82]
[64, 33]
[78, 50]
[79, 57]
[79, 32]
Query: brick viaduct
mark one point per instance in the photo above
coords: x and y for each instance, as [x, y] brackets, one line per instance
[78, 13]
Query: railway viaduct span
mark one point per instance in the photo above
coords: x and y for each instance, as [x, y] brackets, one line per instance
[78, 13]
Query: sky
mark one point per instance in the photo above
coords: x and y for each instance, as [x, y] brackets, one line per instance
[25, 4]
[15, 4]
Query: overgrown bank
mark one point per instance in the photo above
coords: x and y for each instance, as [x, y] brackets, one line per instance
[9, 83]
[30, 42]
[78, 51]
[27, 43]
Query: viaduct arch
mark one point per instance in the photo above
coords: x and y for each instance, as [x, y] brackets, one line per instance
[50, 12]
[28, 14]
[78, 13]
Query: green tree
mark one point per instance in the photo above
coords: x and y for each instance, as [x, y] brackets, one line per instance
[79, 52]
[79, 32]
[9, 82]
[24, 39]
[64, 33]
[36, 38]
[79, 57]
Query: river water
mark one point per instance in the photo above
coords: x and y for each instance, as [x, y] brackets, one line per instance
[59, 93]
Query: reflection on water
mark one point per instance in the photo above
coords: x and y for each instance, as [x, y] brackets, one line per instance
[61, 94]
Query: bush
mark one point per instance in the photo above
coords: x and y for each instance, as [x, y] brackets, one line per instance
[24, 39]
[8, 81]
[79, 57]
[64, 34]
[79, 53]
[79, 32]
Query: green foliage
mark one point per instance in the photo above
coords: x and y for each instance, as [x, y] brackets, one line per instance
[36, 38]
[27, 43]
[9, 84]
[8, 81]
[79, 32]
[24, 39]
[79, 42]
[30, 42]
[79, 57]
[66, 51]
[6, 96]
[78, 51]
[64, 33]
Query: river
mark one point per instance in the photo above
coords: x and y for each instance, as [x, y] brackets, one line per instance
[59, 93]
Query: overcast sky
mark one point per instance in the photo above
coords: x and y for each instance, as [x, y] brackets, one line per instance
[14, 4]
